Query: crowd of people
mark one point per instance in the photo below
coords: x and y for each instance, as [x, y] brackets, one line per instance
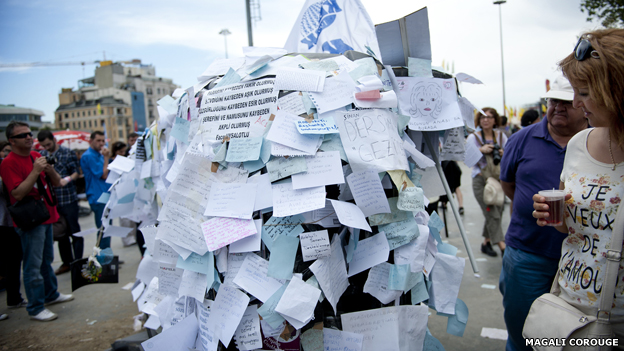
[50, 177]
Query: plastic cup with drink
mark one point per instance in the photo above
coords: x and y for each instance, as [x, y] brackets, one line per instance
[555, 199]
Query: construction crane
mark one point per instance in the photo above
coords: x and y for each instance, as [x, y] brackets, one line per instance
[77, 63]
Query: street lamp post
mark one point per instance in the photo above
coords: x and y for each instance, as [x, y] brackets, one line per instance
[500, 20]
[225, 33]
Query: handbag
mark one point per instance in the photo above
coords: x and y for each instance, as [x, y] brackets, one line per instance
[490, 169]
[554, 324]
[30, 212]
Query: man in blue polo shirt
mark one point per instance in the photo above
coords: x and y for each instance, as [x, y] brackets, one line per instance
[533, 161]
[94, 163]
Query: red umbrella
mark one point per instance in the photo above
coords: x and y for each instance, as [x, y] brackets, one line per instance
[72, 139]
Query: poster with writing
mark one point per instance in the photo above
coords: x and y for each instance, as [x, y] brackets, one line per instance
[238, 110]
[454, 145]
[430, 102]
[371, 140]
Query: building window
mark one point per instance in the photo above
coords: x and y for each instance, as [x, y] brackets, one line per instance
[149, 102]
[121, 134]
[158, 91]
[90, 124]
[151, 113]
[149, 91]
[83, 114]
[102, 122]
[73, 125]
[72, 114]
[89, 113]
[67, 125]
[67, 115]
[60, 116]
[95, 112]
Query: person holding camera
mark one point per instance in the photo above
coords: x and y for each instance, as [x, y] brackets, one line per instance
[65, 163]
[491, 144]
[28, 175]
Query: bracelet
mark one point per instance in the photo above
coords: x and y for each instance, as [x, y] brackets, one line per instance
[68, 179]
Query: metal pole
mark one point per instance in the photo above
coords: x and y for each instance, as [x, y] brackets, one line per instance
[460, 224]
[500, 21]
[249, 34]
[225, 32]
[225, 41]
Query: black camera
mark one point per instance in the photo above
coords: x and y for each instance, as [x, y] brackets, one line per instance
[496, 156]
[51, 160]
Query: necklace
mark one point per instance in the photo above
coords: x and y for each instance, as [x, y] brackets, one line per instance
[611, 151]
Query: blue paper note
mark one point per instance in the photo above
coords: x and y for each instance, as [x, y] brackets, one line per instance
[420, 292]
[252, 166]
[318, 126]
[402, 123]
[352, 246]
[332, 142]
[244, 149]
[196, 263]
[231, 77]
[220, 152]
[265, 151]
[366, 67]
[435, 226]
[400, 233]
[431, 343]
[457, 323]
[267, 310]
[307, 103]
[417, 67]
[181, 129]
[275, 226]
[282, 260]
[402, 278]
[148, 147]
[447, 249]
[103, 199]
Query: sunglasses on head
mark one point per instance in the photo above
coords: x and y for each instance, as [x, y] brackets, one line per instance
[584, 50]
[22, 135]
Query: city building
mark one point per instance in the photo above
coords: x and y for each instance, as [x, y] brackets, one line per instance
[11, 112]
[121, 96]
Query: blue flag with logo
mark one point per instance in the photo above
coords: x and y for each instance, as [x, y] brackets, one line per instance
[333, 26]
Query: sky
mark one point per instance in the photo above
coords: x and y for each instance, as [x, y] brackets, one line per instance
[181, 38]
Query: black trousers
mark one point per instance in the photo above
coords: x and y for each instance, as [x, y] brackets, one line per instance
[10, 262]
[70, 251]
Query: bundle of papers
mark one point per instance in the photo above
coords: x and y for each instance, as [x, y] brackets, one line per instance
[261, 204]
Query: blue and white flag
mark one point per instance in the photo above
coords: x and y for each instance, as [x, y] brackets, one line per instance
[333, 26]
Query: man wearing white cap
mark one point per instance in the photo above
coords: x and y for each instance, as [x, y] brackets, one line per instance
[533, 161]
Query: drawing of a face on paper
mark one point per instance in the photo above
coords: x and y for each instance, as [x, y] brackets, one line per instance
[431, 103]
[426, 100]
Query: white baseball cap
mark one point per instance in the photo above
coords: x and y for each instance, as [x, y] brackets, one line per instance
[560, 89]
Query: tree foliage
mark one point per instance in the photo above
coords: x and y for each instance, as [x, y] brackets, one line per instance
[611, 12]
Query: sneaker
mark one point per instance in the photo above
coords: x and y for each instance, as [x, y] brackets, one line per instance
[487, 249]
[23, 303]
[4, 316]
[44, 316]
[461, 210]
[62, 269]
[60, 298]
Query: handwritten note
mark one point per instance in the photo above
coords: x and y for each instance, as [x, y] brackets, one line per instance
[244, 149]
[169, 278]
[453, 148]
[368, 192]
[377, 284]
[337, 93]
[389, 328]
[231, 200]
[221, 231]
[248, 335]
[350, 215]
[253, 278]
[371, 140]
[288, 78]
[324, 168]
[446, 278]
[181, 129]
[411, 199]
[269, 316]
[284, 131]
[250, 243]
[193, 284]
[369, 252]
[336, 340]
[281, 167]
[197, 263]
[164, 253]
[400, 233]
[289, 226]
[315, 245]
[264, 199]
[318, 126]
[227, 311]
[302, 307]
[331, 273]
[292, 103]
[288, 201]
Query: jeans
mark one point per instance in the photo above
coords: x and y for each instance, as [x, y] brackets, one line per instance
[525, 277]
[10, 262]
[39, 279]
[98, 210]
[70, 212]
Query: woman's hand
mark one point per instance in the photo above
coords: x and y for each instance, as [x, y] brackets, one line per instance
[541, 211]
[486, 149]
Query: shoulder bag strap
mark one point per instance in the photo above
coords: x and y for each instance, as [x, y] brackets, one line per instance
[614, 255]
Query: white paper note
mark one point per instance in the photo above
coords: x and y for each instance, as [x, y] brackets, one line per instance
[284, 131]
[314, 245]
[350, 215]
[227, 311]
[288, 202]
[377, 284]
[248, 335]
[324, 168]
[221, 231]
[253, 278]
[331, 273]
[288, 78]
[369, 253]
[337, 93]
[368, 192]
[232, 200]
[302, 307]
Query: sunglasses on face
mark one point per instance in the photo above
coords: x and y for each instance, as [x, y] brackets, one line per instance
[555, 102]
[584, 50]
[22, 135]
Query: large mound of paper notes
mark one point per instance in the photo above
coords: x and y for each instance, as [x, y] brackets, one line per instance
[282, 201]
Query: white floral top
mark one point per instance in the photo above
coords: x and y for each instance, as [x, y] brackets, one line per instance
[596, 192]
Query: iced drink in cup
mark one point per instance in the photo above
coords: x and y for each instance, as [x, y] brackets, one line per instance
[555, 201]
